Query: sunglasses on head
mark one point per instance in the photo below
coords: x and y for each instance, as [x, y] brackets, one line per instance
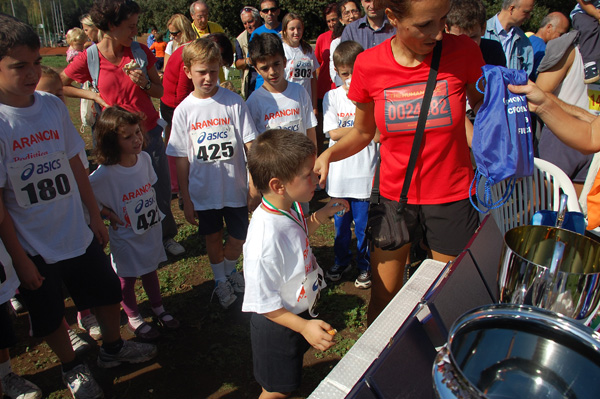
[174, 33]
[248, 9]
[272, 9]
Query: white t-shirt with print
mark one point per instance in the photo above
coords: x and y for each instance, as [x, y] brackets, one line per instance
[211, 133]
[291, 109]
[9, 282]
[136, 248]
[277, 255]
[40, 191]
[300, 66]
[351, 177]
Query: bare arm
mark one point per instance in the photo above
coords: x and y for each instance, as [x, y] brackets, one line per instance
[312, 135]
[589, 8]
[315, 331]
[313, 88]
[183, 173]
[358, 138]
[549, 80]
[88, 199]
[71, 91]
[578, 134]
[322, 215]
[138, 77]
[28, 274]
[338, 133]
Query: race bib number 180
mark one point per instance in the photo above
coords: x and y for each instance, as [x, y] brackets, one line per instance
[214, 144]
[42, 180]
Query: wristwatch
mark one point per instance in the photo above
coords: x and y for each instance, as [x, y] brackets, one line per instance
[148, 85]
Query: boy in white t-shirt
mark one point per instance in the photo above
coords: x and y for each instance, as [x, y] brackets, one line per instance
[283, 279]
[211, 131]
[350, 178]
[44, 187]
[278, 104]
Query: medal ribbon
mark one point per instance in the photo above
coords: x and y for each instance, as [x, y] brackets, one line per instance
[295, 206]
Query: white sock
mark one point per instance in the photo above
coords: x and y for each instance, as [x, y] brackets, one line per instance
[219, 271]
[5, 369]
[138, 321]
[229, 266]
[160, 310]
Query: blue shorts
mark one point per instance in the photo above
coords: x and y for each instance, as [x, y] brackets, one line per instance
[210, 221]
[89, 278]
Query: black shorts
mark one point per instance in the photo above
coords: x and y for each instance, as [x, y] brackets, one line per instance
[7, 334]
[166, 112]
[210, 221]
[448, 228]
[89, 279]
[277, 354]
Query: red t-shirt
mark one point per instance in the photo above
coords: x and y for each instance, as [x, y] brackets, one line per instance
[116, 88]
[443, 171]
[176, 84]
[324, 83]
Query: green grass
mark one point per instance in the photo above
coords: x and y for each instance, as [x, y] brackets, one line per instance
[55, 61]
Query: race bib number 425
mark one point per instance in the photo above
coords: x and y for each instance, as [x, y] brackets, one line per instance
[403, 105]
[214, 144]
[41, 180]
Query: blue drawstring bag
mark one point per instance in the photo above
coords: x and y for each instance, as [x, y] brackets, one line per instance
[502, 136]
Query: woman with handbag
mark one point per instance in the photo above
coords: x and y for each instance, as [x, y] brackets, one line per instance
[389, 96]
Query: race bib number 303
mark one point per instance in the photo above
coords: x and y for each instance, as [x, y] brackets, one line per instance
[214, 144]
[41, 180]
[403, 105]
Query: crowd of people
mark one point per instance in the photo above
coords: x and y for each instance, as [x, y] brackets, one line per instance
[263, 153]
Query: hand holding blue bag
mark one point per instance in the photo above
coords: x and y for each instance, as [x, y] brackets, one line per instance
[502, 135]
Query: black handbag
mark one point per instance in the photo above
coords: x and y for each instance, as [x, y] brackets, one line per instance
[389, 224]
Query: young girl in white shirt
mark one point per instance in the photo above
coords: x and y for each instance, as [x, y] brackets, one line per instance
[123, 188]
[301, 61]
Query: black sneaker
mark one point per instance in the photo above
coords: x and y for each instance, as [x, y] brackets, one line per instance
[591, 73]
[336, 271]
[363, 281]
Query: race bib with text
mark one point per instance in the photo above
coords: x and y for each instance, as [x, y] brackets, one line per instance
[216, 143]
[403, 105]
[43, 180]
[143, 212]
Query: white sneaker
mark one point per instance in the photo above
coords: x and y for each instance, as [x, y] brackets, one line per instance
[131, 352]
[224, 292]
[237, 282]
[17, 387]
[81, 383]
[78, 344]
[90, 324]
[173, 247]
[16, 305]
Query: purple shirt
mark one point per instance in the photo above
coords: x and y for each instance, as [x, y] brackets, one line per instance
[360, 31]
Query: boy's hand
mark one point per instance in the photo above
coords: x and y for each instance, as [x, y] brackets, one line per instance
[334, 206]
[188, 211]
[99, 230]
[316, 334]
[321, 168]
[115, 221]
[29, 275]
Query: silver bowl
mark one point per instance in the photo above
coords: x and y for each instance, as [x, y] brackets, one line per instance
[525, 275]
[517, 351]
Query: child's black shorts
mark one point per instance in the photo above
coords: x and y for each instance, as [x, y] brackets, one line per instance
[89, 278]
[277, 354]
[210, 221]
[7, 334]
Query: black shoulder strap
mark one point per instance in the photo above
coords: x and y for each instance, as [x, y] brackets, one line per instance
[414, 154]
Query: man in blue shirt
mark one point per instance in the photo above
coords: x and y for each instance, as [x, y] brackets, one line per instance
[553, 25]
[370, 30]
[504, 27]
[269, 12]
